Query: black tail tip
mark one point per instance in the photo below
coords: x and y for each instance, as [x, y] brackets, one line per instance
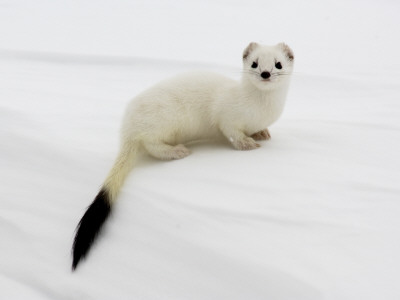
[90, 226]
[75, 262]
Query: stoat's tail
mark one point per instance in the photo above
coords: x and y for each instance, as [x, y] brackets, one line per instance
[97, 213]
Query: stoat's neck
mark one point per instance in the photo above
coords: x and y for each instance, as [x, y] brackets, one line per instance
[250, 91]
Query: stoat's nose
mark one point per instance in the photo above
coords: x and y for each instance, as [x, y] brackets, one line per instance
[265, 75]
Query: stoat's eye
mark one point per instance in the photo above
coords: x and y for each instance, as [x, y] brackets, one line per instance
[254, 65]
[278, 65]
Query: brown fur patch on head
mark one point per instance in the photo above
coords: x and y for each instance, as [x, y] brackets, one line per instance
[286, 49]
[249, 49]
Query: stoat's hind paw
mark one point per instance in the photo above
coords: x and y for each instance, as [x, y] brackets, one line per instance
[179, 151]
[166, 152]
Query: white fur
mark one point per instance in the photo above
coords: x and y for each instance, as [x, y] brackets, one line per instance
[205, 105]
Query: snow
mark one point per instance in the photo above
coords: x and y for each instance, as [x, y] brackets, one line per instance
[312, 214]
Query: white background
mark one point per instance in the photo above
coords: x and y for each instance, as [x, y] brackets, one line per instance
[312, 214]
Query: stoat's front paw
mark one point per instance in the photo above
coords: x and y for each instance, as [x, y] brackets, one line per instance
[246, 143]
[262, 135]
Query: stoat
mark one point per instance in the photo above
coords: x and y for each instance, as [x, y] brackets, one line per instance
[190, 107]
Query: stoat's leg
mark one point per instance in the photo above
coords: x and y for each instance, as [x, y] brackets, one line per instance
[163, 151]
[239, 140]
[262, 135]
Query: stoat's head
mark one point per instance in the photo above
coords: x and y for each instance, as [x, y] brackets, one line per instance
[266, 67]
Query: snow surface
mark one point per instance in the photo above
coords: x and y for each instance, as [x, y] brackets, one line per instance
[312, 214]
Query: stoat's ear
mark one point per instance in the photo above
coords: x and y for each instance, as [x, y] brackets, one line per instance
[286, 49]
[249, 49]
